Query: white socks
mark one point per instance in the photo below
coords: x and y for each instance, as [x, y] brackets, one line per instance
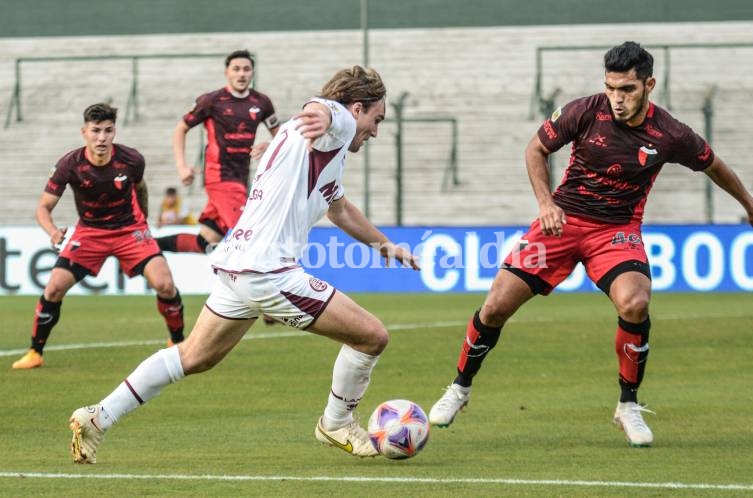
[350, 378]
[144, 383]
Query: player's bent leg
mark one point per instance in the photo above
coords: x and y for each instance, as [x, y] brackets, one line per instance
[46, 315]
[364, 337]
[631, 292]
[215, 337]
[507, 294]
[169, 302]
[211, 339]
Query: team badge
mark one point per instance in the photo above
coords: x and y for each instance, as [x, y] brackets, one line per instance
[253, 111]
[646, 156]
[317, 285]
[119, 181]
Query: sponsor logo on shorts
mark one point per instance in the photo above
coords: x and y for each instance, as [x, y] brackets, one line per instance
[293, 321]
[317, 285]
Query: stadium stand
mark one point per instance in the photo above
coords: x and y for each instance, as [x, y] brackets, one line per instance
[484, 77]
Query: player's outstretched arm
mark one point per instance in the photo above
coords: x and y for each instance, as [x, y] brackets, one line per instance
[551, 216]
[351, 220]
[725, 177]
[185, 172]
[46, 204]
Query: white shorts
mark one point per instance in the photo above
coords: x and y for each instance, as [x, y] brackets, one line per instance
[293, 297]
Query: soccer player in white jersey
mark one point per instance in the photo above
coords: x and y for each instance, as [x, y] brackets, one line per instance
[299, 179]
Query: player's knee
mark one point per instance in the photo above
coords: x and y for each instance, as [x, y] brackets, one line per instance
[377, 339]
[634, 307]
[494, 316]
[164, 287]
[54, 293]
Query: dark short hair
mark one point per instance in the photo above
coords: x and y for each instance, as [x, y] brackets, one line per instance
[239, 54]
[629, 55]
[96, 113]
[171, 191]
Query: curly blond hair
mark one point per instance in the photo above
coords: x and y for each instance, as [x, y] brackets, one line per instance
[356, 84]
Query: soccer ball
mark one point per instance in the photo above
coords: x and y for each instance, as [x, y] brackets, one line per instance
[398, 429]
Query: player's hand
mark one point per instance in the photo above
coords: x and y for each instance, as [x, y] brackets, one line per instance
[405, 257]
[313, 122]
[258, 150]
[552, 220]
[187, 175]
[57, 238]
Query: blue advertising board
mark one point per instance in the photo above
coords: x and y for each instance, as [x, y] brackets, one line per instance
[465, 259]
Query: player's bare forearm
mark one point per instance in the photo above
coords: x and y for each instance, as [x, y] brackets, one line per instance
[352, 221]
[727, 179]
[538, 171]
[44, 217]
[142, 197]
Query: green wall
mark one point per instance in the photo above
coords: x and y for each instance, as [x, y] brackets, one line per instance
[110, 17]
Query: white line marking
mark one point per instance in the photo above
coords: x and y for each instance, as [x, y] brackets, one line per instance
[416, 480]
[395, 326]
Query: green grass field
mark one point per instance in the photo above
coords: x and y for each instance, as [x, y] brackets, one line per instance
[539, 421]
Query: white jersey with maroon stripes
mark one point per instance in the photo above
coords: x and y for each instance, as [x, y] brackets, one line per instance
[292, 190]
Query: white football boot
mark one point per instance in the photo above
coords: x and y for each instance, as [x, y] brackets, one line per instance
[352, 439]
[454, 399]
[628, 417]
[87, 435]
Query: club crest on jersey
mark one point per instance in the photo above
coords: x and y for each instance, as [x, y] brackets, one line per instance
[119, 181]
[556, 114]
[317, 285]
[253, 111]
[646, 156]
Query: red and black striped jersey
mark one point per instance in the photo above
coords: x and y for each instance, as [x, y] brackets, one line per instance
[105, 195]
[613, 166]
[231, 123]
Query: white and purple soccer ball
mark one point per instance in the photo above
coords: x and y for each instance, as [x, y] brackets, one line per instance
[398, 429]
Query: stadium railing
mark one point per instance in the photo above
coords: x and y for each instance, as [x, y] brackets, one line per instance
[546, 104]
[132, 105]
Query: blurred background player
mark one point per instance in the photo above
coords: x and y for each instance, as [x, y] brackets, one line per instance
[620, 140]
[299, 179]
[231, 116]
[172, 211]
[111, 198]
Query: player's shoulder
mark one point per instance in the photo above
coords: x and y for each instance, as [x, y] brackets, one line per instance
[128, 154]
[259, 95]
[213, 96]
[71, 158]
[663, 120]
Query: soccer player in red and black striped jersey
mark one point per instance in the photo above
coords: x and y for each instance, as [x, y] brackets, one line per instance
[111, 198]
[620, 142]
[231, 117]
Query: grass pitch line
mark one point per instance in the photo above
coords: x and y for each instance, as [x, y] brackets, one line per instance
[394, 326]
[265, 335]
[400, 480]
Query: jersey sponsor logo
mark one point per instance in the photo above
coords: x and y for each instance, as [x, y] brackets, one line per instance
[614, 170]
[239, 136]
[317, 285]
[227, 111]
[549, 130]
[119, 165]
[599, 141]
[52, 185]
[603, 116]
[556, 115]
[119, 181]
[646, 156]
[293, 321]
[86, 183]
